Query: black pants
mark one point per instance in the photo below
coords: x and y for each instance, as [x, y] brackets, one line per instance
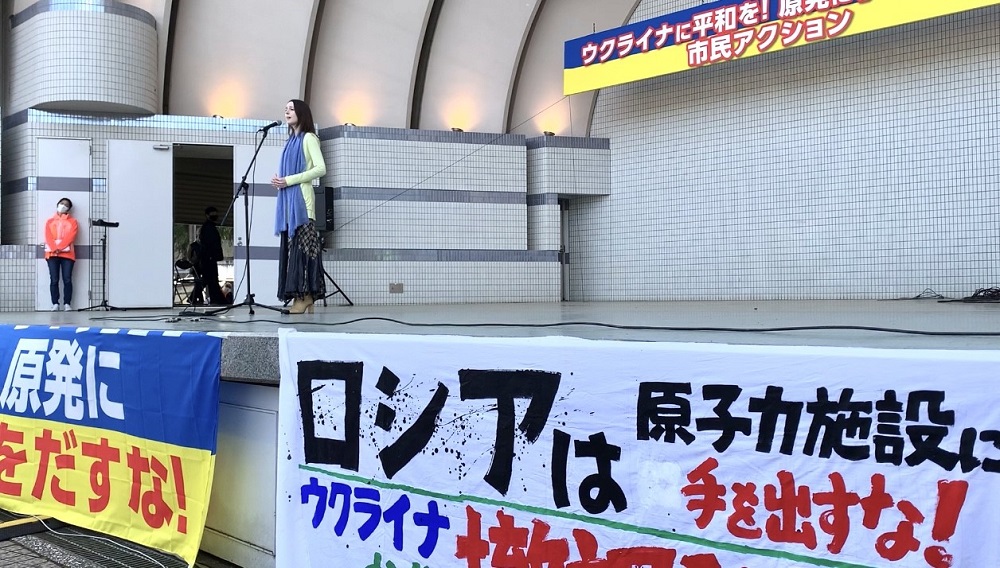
[59, 266]
[209, 272]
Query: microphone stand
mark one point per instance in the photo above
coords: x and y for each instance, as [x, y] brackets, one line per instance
[244, 186]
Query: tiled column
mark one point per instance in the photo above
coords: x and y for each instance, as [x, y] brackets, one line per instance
[91, 56]
[563, 168]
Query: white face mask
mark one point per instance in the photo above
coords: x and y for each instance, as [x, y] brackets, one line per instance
[62, 208]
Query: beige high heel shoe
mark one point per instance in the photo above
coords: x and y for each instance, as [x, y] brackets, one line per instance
[301, 305]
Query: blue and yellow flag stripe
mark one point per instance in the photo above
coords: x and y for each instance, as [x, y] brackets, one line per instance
[147, 492]
[845, 19]
[154, 385]
[112, 430]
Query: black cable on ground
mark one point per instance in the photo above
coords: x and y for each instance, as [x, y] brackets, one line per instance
[927, 294]
[980, 296]
[596, 324]
[985, 295]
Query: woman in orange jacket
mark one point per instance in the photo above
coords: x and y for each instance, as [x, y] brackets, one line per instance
[60, 253]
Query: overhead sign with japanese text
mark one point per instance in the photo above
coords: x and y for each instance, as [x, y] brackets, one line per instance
[111, 430]
[435, 452]
[725, 30]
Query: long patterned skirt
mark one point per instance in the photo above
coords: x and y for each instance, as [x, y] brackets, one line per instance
[300, 264]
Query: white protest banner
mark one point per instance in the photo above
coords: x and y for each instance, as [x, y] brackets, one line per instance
[434, 452]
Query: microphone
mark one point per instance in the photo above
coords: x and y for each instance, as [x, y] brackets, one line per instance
[269, 126]
[103, 223]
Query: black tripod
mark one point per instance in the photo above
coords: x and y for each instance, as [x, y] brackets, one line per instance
[244, 186]
[104, 305]
[330, 294]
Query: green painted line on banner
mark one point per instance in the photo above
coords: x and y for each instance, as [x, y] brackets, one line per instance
[648, 531]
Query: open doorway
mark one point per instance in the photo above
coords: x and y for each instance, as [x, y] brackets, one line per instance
[203, 177]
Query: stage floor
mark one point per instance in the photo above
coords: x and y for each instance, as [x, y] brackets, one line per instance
[250, 352]
[913, 324]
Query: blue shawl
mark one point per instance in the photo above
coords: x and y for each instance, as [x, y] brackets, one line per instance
[290, 212]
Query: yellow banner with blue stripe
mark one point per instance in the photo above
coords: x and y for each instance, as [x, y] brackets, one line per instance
[111, 430]
[726, 30]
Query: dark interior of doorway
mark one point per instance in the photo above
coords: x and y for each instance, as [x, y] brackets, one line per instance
[203, 176]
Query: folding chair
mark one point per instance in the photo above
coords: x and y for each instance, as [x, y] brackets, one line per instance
[185, 275]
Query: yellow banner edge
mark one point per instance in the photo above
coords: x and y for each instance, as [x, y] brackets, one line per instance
[651, 64]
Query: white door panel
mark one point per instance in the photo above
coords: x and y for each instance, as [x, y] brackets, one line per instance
[260, 204]
[61, 157]
[64, 158]
[140, 199]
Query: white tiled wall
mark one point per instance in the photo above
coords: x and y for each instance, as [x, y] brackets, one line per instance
[18, 163]
[406, 164]
[569, 171]
[446, 192]
[19, 227]
[18, 153]
[367, 283]
[420, 225]
[864, 167]
[543, 227]
[17, 279]
[400, 220]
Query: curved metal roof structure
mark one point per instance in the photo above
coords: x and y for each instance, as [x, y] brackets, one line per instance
[479, 65]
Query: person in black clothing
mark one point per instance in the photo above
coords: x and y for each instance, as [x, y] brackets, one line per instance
[211, 254]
